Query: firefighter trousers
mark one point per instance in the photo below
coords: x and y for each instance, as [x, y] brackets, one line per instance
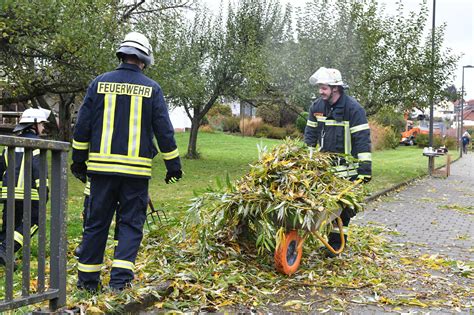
[106, 191]
[85, 215]
[18, 234]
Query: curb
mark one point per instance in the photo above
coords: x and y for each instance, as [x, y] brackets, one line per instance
[388, 190]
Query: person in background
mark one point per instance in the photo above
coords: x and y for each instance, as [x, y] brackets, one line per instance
[337, 123]
[465, 139]
[31, 126]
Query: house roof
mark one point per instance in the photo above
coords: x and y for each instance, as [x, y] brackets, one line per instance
[468, 114]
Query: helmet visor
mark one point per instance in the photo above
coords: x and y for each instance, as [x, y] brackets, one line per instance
[128, 50]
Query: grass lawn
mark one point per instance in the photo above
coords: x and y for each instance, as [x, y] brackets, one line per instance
[391, 167]
[223, 154]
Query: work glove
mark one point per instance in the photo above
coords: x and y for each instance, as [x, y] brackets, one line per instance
[79, 170]
[173, 177]
[364, 178]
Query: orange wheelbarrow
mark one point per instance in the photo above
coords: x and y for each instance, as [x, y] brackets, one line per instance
[290, 250]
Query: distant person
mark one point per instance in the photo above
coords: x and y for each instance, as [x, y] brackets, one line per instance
[31, 126]
[466, 139]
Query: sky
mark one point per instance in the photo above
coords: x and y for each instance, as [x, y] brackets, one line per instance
[459, 34]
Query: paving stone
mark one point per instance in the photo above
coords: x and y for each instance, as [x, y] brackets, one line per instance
[417, 213]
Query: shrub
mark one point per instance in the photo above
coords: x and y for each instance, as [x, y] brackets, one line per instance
[301, 121]
[423, 140]
[292, 131]
[391, 138]
[216, 122]
[438, 141]
[272, 132]
[450, 143]
[204, 121]
[270, 113]
[249, 126]
[383, 137]
[277, 115]
[263, 131]
[376, 135]
[277, 133]
[231, 124]
[288, 114]
[386, 116]
[216, 115]
[220, 109]
[206, 128]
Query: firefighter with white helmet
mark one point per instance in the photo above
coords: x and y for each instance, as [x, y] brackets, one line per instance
[138, 45]
[32, 118]
[122, 112]
[337, 123]
[326, 76]
[31, 126]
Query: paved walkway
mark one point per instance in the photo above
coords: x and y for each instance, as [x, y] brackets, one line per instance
[432, 214]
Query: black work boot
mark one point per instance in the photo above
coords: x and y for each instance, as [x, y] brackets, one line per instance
[92, 287]
[334, 239]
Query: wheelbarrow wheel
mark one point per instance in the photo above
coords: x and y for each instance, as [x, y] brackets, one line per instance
[288, 254]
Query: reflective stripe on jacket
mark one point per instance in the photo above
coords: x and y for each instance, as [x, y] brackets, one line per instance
[341, 128]
[20, 171]
[121, 114]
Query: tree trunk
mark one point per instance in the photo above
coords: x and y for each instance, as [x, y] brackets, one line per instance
[198, 115]
[52, 127]
[192, 145]
[65, 130]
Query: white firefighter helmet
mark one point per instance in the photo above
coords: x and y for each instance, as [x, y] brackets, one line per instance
[34, 115]
[136, 44]
[31, 116]
[326, 76]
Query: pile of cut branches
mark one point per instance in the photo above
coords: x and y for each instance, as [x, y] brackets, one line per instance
[289, 187]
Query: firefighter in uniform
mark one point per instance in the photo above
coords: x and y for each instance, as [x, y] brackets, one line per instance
[338, 123]
[31, 126]
[122, 112]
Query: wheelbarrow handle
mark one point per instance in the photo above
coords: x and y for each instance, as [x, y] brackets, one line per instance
[341, 234]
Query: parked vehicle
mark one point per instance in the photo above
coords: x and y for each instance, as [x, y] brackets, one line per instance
[408, 137]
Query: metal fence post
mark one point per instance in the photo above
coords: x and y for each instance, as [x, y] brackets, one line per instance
[58, 220]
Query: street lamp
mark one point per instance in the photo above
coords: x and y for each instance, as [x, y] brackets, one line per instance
[431, 158]
[462, 107]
